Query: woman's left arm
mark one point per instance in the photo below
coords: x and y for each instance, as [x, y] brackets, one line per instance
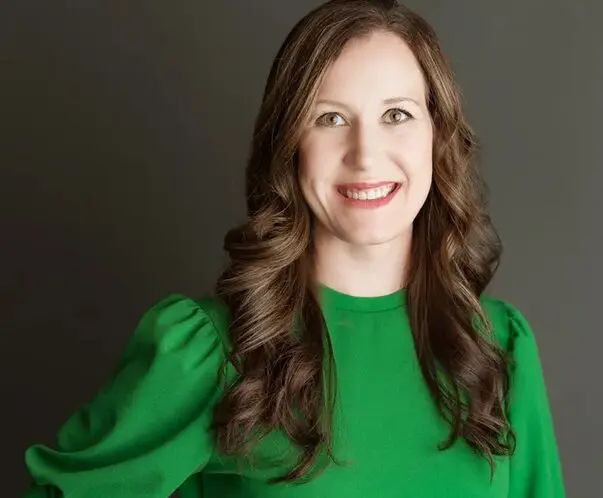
[535, 466]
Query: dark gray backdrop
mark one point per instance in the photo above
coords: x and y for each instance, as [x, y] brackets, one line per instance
[124, 131]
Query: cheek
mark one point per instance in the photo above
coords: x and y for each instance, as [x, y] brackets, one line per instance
[316, 159]
[306, 172]
[416, 152]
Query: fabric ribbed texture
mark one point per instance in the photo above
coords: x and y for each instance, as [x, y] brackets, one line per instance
[147, 433]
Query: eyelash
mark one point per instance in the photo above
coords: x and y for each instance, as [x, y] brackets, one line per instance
[320, 119]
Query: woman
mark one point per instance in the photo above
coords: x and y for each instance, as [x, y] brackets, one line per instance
[350, 350]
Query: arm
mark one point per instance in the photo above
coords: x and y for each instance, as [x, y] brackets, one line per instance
[147, 431]
[535, 467]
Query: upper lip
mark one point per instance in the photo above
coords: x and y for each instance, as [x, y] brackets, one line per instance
[365, 185]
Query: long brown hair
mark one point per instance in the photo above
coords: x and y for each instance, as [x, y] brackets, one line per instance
[280, 346]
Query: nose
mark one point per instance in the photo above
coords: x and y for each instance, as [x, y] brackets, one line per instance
[363, 147]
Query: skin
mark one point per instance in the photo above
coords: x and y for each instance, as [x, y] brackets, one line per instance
[359, 131]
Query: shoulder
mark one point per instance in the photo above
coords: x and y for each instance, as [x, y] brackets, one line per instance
[178, 321]
[513, 333]
[510, 326]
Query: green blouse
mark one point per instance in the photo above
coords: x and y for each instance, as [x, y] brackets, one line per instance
[146, 433]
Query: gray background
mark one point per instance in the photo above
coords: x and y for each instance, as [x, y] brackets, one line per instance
[124, 131]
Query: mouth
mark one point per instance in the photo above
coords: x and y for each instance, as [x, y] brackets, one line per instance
[366, 193]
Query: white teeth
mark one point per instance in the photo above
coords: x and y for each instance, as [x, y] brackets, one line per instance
[371, 194]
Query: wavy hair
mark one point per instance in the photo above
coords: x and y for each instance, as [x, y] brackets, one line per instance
[280, 346]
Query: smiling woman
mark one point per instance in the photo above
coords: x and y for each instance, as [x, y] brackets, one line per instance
[350, 350]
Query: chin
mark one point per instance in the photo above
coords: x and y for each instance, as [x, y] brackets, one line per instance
[371, 238]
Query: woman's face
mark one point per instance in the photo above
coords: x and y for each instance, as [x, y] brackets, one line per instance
[365, 158]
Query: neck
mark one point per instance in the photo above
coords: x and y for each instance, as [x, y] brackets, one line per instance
[361, 270]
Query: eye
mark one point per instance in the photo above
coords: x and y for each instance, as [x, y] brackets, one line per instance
[330, 119]
[396, 116]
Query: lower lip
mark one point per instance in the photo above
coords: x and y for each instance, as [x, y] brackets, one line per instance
[370, 203]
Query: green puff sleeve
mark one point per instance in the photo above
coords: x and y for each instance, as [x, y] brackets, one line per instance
[148, 430]
[535, 467]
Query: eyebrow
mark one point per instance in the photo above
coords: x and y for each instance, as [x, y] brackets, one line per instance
[389, 101]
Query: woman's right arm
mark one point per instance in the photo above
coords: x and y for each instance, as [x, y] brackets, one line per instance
[148, 430]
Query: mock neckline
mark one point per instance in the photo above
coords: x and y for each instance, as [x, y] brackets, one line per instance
[336, 299]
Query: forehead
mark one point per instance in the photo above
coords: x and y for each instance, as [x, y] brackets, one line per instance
[376, 66]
